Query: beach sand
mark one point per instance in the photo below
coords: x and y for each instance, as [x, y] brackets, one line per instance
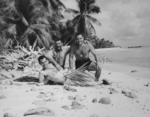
[19, 97]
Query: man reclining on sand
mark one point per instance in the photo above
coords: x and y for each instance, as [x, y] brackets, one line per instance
[51, 72]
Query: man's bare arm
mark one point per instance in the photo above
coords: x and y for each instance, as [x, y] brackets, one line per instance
[49, 57]
[92, 49]
[71, 54]
[65, 56]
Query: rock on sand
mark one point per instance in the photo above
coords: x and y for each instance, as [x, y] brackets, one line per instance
[105, 100]
[40, 111]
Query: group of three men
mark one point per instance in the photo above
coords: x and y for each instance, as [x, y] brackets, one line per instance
[81, 49]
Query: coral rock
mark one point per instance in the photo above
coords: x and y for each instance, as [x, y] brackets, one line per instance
[40, 111]
[94, 100]
[33, 89]
[105, 100]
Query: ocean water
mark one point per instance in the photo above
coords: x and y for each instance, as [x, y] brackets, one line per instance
[130, 56]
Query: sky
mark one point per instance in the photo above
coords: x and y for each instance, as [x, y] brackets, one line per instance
[124, 22]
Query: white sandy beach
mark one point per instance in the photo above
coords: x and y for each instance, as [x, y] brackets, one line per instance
[20, 96]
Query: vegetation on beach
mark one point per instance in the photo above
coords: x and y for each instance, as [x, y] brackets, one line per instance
[100, 43]
[37, 23]
[30, 22]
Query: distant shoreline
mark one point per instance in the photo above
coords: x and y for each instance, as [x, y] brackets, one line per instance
[134, 46]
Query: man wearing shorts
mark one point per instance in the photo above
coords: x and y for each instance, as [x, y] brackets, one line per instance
[81, 50]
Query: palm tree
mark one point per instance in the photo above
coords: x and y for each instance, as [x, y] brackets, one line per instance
[82, 21]
[33, 21]
[67, 31]
[57, 5]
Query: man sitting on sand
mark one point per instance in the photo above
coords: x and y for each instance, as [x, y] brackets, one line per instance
[81, 49]
[59, 54]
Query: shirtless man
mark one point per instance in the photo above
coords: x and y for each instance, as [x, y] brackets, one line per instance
[56, 57]
[81, 49]
[59, 54]
[49, 71]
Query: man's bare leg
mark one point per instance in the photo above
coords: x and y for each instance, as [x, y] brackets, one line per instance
[94, 67]
[97, 74]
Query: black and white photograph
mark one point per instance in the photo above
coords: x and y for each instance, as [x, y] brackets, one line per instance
[75, 58]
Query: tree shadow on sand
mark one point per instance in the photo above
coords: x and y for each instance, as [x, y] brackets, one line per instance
[34, 80]
[27, 79]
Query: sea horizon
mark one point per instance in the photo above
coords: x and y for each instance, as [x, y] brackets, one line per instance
[139, 57]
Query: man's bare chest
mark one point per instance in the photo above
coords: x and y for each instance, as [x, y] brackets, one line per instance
[59, 55]
[82, 51]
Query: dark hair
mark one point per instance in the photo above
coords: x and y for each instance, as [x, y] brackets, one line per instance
[79, 34]
[40, 58]
[58, 40]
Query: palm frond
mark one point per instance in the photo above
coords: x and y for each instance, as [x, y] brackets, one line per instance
[69, 10]
[54, 25]
[5, 20]
[8, 8]
[27, 41]
[92, 27]
[37, 32]
[37, 9]
[81, 26]
[2, 3]
[89, 27]
[79, 75]
[93, 20]
[76, 20]
[23, 20]
[40, 20]
[43, 34]
[38, 26]
[40, 14]
[59, 3]
[56, 4]
[89, 2]
[93, 9]
[24, 38]
[47, 6]
[78, 78]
